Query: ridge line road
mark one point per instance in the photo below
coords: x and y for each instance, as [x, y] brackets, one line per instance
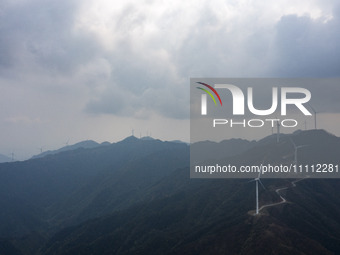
[283, 200]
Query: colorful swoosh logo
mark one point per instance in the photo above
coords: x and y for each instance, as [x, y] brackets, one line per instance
[209, 93]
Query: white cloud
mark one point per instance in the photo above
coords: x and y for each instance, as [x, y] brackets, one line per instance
[61, 60]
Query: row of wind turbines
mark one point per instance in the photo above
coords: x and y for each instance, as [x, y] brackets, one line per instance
[278, 125]
[257, 180]
[148, 133]
[41, 149]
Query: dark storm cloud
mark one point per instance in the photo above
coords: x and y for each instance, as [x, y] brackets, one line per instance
[142, 81]
[308, 47]
[63, 63]
[110, 103]
[168, 100]
[151, 60]
[41, 32]
[294, 47]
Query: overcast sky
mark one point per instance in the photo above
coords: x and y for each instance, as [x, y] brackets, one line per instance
[77, 70]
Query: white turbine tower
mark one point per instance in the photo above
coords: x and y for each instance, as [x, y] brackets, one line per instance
[278, 132]
[296, 148]
[257, 180]
[314, 115]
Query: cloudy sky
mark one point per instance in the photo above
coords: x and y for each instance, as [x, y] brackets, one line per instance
[96, 69]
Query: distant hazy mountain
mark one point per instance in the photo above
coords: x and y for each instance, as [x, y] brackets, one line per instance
[213, 150]
[4, 158]
[178, 141]
[84, 144]
[105, 143]
[147, 138]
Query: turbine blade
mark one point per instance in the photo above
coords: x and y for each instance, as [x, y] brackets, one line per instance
[292, 142]
[261, 167]
[262, 184]
[312, 108]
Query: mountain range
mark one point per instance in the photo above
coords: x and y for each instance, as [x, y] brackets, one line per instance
[136, 197]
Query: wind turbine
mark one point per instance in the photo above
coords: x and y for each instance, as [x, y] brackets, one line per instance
[296, 148]
[41, 149]
[66, 144]
[257, 181]
[314, 115]
[12, 156]
[278, 132]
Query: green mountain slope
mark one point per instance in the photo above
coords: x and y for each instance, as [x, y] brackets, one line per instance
[136, 197]
[58, 190]
[211, 217]
[193, 216]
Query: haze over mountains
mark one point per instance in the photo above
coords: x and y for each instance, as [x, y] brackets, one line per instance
[88, 144]
[136, 197]
[84, 144]
[4, 158]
